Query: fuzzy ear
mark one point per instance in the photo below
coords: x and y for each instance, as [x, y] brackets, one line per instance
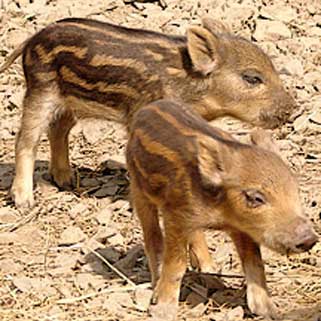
[210, 164]
[264, 140]
[202, 47]
[215, 26]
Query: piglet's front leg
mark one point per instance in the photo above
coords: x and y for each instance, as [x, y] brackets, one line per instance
[258, 299]
[164, 304]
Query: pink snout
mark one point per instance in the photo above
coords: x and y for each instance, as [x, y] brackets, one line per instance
[305, 238]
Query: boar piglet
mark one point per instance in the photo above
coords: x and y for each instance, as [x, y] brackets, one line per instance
[199, 177]
[81, 68]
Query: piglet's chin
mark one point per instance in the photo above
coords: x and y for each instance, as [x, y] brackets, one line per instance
[287, 244]
[270, 121]
[277, 244]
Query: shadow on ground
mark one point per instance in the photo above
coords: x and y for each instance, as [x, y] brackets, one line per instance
[197, 288]
[110, 178]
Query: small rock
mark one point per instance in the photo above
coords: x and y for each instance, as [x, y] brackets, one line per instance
[197, 311]
[9, 266]
[72, 235]
[195, 299]
[43, 288]
[109, 254]
[270, 48]
[7, 215]
[23, 283]
[142, 298]
[46, 187]
[314, 32]
[222, 252]
[55, 310]
[77, 210]
[128, 262]
[16, 98]
[84, 280]
[116, 240]
[5, 181]
[30, 235]
[106, 191]
[91, 133]
[116, 302]
[116, 162]
[111, 5]
[90, 182]
[316, 115]
[103, 233]
[16, 36]
[120, 205]
[279, 12]
[292, 67]
[104, 216]
[64, 264]
[90, 245]
[236, 314]
[267, 30]
[313, 78]
[301, 123]
[197, 296]
[7, 238]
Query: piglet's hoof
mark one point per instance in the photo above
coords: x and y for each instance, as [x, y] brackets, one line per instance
[63, 179]
[22, 198]
[260, 303]
[163, 312]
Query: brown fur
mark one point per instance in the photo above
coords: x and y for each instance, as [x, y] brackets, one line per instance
[198, 177]
[100, 70]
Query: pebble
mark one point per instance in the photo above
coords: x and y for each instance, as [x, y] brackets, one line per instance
[142, 298]
[236, 314]
[72, 235]
[106, 191]
[104, 216]
[267, 30]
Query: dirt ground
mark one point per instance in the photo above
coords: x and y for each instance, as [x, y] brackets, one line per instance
[78, 255]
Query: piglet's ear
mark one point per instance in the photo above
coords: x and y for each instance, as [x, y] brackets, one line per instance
[215, 26]
[210, 164]
[264, 139]
[202, 47]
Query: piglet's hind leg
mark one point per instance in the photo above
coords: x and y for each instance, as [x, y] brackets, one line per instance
[38, 110]
[200, 257]
[59, 129]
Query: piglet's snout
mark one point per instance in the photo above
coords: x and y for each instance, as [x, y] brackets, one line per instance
[305, 239]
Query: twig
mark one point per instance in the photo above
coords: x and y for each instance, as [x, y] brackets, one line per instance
[26, 219]
[109, 290]
[219, 275]
[119, 273]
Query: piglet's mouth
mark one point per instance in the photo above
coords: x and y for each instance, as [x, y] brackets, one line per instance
[292, 246]
[305, 245]
[271, 121]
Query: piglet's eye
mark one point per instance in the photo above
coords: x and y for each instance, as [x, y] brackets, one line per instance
[252, 79]
[254, 198]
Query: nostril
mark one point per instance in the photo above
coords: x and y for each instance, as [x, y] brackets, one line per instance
[301, 247]
[307, 244]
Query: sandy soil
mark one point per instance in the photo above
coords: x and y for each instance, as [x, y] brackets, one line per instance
[57, 260]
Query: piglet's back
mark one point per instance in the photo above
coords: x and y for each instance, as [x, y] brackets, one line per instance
[162, 149]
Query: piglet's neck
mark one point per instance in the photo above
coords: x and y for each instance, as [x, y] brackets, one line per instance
[208, 108]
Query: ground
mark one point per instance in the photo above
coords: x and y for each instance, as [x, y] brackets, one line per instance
[78, 255]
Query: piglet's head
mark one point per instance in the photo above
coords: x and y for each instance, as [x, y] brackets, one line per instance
[257, 194]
